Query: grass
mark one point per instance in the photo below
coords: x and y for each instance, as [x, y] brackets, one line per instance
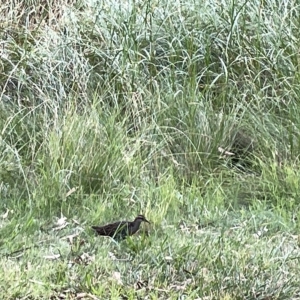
[186, 112]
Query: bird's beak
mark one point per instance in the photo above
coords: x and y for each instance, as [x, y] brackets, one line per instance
[147, 221]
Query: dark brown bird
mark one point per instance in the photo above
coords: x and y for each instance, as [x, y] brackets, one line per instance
[119, 230]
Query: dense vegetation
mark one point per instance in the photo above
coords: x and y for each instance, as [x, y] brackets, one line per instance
[185, 111]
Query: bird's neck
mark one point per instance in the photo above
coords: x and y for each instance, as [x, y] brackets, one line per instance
[135, 225]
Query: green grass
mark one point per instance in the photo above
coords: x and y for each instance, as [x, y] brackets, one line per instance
[109, 110]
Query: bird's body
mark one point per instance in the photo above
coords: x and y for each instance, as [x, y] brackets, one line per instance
[120, 230]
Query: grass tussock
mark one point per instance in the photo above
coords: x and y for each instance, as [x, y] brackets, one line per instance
[186, 112]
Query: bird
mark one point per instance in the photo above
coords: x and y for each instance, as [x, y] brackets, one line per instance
[121, 229]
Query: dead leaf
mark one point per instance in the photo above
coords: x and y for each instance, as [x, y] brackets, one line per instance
[117, 276]
[71, 191]
[52, 257]
[4, 216]
[112, 256]
[76, 222]
[61, 223]
[61, 227]
[83, 259]
[168, 258]
[70, 237]
[225, 152]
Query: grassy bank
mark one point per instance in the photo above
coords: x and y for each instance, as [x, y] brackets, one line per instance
[186, 112]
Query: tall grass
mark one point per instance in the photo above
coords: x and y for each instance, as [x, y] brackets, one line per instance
[184, 111]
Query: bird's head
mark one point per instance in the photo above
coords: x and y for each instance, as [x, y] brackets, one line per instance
[141, 218]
